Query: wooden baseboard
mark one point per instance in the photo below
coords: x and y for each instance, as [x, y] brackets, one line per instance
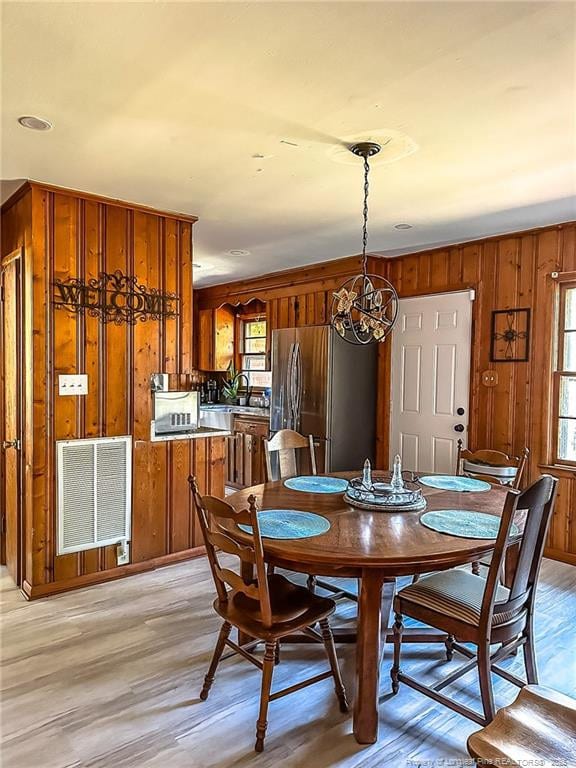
[563, 557]
[33, 592]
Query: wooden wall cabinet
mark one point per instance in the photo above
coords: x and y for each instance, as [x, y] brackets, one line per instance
[215, 339]
[246, 461]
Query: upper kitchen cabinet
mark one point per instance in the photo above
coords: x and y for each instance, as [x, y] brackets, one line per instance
[215, 339]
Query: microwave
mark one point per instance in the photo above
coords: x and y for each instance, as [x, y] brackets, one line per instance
[175, 412]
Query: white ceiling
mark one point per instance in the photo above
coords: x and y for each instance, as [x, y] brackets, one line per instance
[167, 104]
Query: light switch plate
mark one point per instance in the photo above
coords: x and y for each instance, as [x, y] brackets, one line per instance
[73, 384]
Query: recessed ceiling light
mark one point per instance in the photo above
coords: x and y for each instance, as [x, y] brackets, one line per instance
[402, 226]
[34, 123]
[239, 252]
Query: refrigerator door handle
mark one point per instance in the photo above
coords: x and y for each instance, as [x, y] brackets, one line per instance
[297, 385]
[290, 387]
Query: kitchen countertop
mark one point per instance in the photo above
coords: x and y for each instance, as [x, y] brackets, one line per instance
[238, 410]
[193, 434]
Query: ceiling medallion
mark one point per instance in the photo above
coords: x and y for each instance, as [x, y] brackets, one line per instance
[365, 307]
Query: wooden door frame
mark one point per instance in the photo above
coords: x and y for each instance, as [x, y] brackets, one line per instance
[472, 291]
[17, 254]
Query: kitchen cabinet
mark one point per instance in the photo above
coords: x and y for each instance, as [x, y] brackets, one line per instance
[215, 339]
[246, 461]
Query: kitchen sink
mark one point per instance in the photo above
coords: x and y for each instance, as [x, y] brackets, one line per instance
[222, 416]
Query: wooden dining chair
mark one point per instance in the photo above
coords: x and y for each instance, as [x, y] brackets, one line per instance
[285, 443]
[538, 728]
[266, 607]
[492, 466]
[471, 609]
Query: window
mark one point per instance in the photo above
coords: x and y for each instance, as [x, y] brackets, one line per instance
[253, 357]
[565, 378]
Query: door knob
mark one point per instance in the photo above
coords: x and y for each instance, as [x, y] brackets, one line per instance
[460, 411]
[10, 444]
[459, 428]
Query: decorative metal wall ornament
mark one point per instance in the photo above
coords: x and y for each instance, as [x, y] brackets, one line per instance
[510, 336]
[114, 298]
[365, 307]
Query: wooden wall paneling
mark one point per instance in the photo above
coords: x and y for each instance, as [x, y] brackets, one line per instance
[92, 264]
[505, 295]
[455, 265]
[39, 562]
[307, 312]
[216, 466]
[526, 266]
[116, 338]
[180, 461]
[148, 511]
[294, 311]
[65, 332]
[482, 409]
[323, 307]
[199, 468]
[170, 330]
[284, 312]
[439, 271]
[206, 339]
[185, 322]
[74, 234]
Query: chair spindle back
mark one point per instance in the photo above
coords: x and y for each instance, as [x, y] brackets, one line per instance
[285, 443]
[487, 458]
[211, 511]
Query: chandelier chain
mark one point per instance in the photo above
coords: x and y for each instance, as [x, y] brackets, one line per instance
[365, 215]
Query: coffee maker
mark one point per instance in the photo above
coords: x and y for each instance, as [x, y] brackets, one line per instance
[212, 394]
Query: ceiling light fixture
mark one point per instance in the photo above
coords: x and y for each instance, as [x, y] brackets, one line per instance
[402, 226]
[34, 123]
[365, 308]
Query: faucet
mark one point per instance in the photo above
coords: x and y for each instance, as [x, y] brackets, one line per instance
[243, 376]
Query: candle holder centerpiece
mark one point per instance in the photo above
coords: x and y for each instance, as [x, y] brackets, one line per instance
[389, 492]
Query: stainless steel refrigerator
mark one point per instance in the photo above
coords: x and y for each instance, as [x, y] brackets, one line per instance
[325, 387]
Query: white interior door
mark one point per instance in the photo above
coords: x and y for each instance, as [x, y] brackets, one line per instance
[431, 380]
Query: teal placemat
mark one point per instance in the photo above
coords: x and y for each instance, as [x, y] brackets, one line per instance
[454, 483]
[464, 523]
[289, 524]
[316, 484]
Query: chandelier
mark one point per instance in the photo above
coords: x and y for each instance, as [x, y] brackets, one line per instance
[364, 309]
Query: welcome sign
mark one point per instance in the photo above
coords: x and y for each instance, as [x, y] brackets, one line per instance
[115, 298]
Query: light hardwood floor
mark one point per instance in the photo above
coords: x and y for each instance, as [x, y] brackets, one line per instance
[108, 677]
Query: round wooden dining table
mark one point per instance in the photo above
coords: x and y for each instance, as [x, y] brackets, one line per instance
[376, 548]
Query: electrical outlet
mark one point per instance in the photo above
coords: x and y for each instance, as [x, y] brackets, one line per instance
[123, 553]
[73, 384]
[490, 378]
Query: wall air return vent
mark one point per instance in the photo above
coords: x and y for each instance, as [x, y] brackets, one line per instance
[94, 487]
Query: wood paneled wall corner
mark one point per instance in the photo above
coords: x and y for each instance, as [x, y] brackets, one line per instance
[506, 271]
[67, 234]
